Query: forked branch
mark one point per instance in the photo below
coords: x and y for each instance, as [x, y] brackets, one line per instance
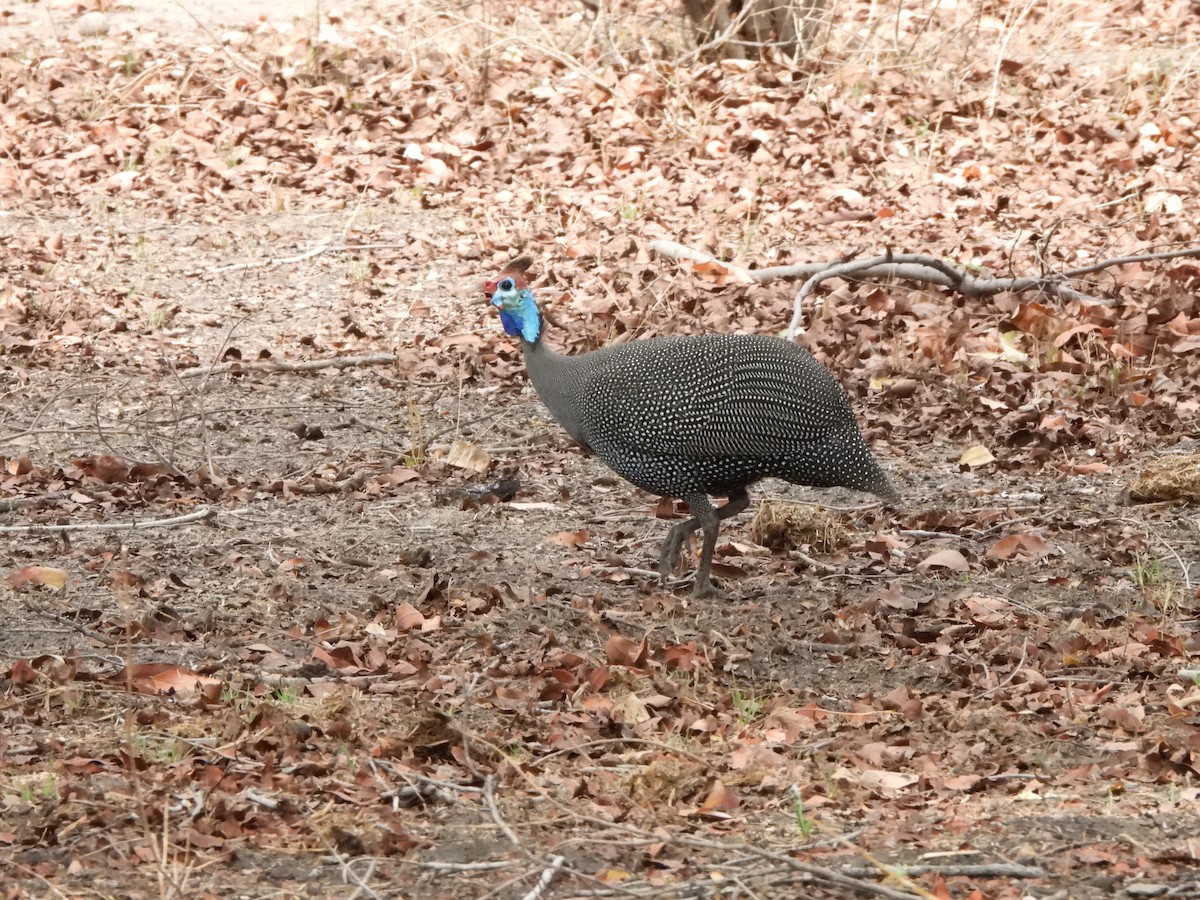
[917, 267]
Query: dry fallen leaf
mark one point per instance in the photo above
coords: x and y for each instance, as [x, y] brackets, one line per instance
[722, 274]
[162, 678]
[570, 539]
[880, 780]
[991, 612]
[1024, 546]
[630, 710]
[962, 782]
[38, 576]
[1126, 718]
[465, 455]
[976, 456]
[945, 559]
[621, 651]
[21, 672]
[720, 799]
[408, 617]
[398, 475]
[612, 876]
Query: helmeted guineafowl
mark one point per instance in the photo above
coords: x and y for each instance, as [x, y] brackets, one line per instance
[697, 416]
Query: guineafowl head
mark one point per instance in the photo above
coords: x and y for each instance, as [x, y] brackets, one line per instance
[509, 292]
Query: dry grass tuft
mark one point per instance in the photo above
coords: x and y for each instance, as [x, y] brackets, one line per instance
[664, 781]
[1169, 478]
[787, 526]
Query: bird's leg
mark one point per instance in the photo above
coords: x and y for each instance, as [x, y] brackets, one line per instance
[679, 533]
[711, 520]
[708, 518]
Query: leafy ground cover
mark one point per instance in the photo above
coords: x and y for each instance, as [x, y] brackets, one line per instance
[389, 634]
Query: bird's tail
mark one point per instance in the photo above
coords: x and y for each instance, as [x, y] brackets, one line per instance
[843, 461]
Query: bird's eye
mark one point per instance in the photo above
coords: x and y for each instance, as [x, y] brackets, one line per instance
[506, 284]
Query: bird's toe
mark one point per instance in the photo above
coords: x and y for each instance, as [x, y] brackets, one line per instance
[704, 588]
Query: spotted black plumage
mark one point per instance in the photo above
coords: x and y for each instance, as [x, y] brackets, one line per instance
[694, 417]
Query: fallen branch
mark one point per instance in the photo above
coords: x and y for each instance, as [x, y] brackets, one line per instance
[821, 874]
[349, 875]
[930, 270]
[917, 267]
[292, 260]
[408, 776]
[86, 632]
[814, 564]
[623, 742]
[197, 516]
[1011, 675]
[17, 502]
[962, 870]
[459, 867]
[273, 367]
[489, 798]
[547, 878]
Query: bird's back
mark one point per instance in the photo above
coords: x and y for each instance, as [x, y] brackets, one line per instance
[711, 413]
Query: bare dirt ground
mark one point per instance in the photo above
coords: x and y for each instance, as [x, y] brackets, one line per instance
[349, 665]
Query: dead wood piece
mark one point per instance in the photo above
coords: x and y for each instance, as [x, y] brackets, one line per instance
[86, 632]
[459, 867]
[917, 267]
[292, 260]
[273, 367]
[197, 516]
[489, 798]
[964, 870]
[547, 878]
[18, 502]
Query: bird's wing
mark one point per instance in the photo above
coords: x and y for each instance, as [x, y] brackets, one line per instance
[686, 398]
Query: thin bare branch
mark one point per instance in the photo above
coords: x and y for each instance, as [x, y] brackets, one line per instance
[556, 863]
[489, 798]
[17, 502]
[292, 260]
[960, 870]
[1128, 260]
[273, 367]
[198, 516]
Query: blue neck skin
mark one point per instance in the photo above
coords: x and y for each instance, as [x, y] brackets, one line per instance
[519, 315]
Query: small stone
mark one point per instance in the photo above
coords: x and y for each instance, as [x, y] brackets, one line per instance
[234, 38]
[1146, 890]
[92, 23]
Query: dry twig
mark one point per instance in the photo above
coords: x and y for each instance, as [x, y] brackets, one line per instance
[556, 863]
[17, 502]
[292, 260]
[272, 367]
[489, 797]
[961, 870]
[197, 516]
